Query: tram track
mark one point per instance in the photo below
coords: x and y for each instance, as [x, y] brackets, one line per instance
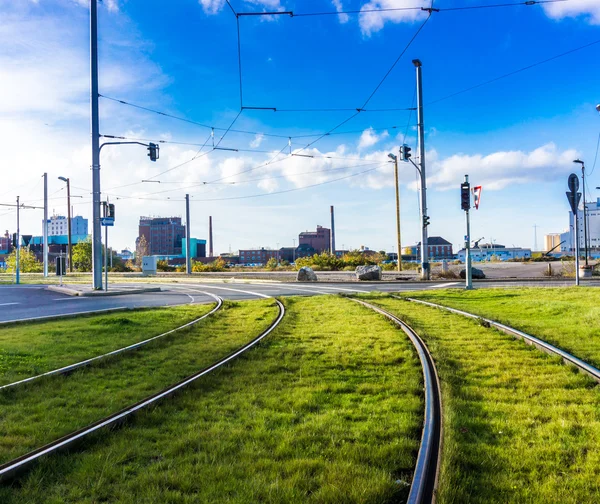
[72, 367]
[20, 464]
[425, 477]
[542, 345]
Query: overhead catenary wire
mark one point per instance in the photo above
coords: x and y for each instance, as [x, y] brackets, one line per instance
[595, 156]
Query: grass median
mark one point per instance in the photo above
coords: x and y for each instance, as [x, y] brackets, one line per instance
[569, 318]
[37, 413]
[32, 348]
[520, 426]
[329, 409]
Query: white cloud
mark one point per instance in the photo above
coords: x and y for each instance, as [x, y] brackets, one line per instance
[215, 6]
[574, 8]
[343, 18]
[371, 22]
[258, 139]
[501, 169]
[370, 138]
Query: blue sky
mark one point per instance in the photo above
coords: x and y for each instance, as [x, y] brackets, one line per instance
[516, 137]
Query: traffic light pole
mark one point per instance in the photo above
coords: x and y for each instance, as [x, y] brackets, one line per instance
[95, 127]
[17, 264]
[188, 255]
[425, 270]
[105, 203]
[468, 272]
[45, 228]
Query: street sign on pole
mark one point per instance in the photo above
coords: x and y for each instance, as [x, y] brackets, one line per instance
[574, 199]
[573, 183]
[107, 221]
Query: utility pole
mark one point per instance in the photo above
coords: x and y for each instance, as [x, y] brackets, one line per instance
[188, 256]
[106, 212]
[95, 130]
[17, 265]
[45, 228]
[585, 233]
[535, 247]
[399, 261]
[69, 245]
[425, 272]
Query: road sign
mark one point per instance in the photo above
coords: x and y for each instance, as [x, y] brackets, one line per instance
[574, 199]
[476, 196]
[107, 221]
[573, 183]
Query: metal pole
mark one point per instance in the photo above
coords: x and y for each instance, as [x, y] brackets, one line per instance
[332, 233]
[585, 234]
[106, 258]
[69, 244]
[17, 265]
[188, 256]
[576, 246]
[399, 261]
[469, 273]
[96, 227]
[45, 229]
[425, 273]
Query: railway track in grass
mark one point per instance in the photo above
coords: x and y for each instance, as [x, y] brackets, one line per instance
[581, 365]
[87, 362]
[20, 464]
[425, 477]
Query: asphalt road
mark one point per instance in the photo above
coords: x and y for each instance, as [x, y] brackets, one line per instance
[35, 301]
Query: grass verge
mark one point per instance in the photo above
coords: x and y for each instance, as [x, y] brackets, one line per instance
[37, 413]
[568, 318]
[328, 409]
[32, 348]
[519, 426]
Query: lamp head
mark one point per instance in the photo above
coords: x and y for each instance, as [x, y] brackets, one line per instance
[417, 62]
[63, 179]
[598, 107]
[392, 157]
[578, 161]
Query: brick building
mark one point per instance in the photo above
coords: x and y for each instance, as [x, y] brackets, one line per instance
[164, 235]
[318, 240]
[438, 248]
[257, 256]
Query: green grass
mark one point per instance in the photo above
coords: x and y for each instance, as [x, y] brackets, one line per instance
[328, 409]
[37, 413]
[566, 317]
[36, 347]
[519, 426]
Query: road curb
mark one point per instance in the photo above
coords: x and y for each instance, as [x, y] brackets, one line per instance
[70, 291]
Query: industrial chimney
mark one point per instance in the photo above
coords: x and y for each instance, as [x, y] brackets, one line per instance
[210, 237]
[332, 234]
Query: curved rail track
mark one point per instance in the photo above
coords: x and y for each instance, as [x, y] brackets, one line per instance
[528, 338]
[20, 464]
[134, 346]
[425, 478]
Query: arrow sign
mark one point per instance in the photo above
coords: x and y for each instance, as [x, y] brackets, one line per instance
[574, 199]
[573, 183]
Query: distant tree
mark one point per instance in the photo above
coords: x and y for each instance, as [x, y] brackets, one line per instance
[27, 262]
[142, 249]
[82, 255]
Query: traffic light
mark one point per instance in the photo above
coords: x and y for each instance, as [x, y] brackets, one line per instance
[111, 210]
[405, 153]
[426, 221]
[465, 196]
[14, 240]
[153, 151]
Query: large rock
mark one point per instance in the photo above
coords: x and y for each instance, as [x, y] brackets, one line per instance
[368, 273]
[476, 274]
[306, 274]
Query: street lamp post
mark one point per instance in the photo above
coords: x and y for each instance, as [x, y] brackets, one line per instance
[399, 261]
[69, 245]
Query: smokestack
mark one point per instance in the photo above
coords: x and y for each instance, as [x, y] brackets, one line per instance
[210, 238]
[332, 234]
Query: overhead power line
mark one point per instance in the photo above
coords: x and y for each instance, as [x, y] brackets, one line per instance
[514, 72]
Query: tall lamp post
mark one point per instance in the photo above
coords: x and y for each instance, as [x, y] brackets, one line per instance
[69, 249]
[394, 158]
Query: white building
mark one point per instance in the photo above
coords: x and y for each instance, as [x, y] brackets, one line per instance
[488, 252]
[593, 229]
[57, 226]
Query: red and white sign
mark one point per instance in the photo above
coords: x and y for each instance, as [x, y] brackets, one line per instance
[476, 196]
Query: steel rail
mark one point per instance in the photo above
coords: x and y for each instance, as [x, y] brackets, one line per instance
[425, 478]
[528, 338]
[134, 346]
[19, 464]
